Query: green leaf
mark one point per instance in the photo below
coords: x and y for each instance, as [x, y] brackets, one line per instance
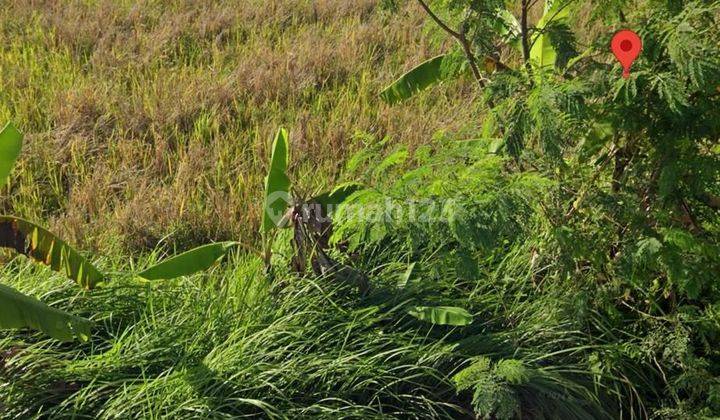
[41, 245]
[647, 250]
[489, 126]
[571, 62]
[479, 371]
[542, 53]
[21, 311]
[415, 80]
[393, 159]
[405, 277]
[682, 239]
[600, 134]
[335, 197]
[496, 145]
[442, 315]
[513, 371]
[10, 145]
[277, 184]
[508, 28]
[189, 262]
[669, 180]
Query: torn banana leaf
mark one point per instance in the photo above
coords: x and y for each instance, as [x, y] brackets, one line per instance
[41, 245]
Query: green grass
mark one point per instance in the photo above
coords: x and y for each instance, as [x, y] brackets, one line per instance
[152, 123]
[225, 344]
[148, 131]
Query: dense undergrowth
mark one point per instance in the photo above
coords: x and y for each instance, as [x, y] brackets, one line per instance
[221, 346]
[577, 226]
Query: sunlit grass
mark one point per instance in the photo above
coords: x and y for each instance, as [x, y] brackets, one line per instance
[223, 344]
[152, 123]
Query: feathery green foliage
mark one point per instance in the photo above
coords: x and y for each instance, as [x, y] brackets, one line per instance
[620, 243]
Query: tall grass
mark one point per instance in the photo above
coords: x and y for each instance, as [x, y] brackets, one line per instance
[149, 127]
[151, 122]
[224, 345]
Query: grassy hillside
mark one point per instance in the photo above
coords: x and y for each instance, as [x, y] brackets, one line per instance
[151, 122]
[534, 236]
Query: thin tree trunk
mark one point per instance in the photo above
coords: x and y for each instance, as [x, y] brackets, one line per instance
[524, 33]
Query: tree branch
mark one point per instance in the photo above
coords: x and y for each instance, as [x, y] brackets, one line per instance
[524, 35]
[525, 38]
[440, 23]
[688, 217]
[461, 39]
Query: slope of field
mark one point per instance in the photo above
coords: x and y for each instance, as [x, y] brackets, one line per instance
[150, 122]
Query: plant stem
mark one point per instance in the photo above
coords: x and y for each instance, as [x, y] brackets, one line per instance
[525, 35]
[461, 39]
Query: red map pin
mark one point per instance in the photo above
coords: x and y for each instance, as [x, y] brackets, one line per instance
[626, 45]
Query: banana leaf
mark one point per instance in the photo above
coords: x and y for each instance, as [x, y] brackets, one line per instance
[189, 262]
[442, 315]
[415, 80]
[277, 184]
[43, 246]
[543, 53]
[10, 145]
[21, 311]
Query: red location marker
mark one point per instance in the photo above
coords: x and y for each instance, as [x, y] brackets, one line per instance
[626, 45]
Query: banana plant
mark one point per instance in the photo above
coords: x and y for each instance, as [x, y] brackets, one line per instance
[309, 219]
[282, 209]
[25, 237]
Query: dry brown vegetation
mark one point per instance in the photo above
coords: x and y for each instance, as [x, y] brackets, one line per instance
[152, 120]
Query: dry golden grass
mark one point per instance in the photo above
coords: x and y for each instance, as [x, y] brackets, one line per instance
[150, 122]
